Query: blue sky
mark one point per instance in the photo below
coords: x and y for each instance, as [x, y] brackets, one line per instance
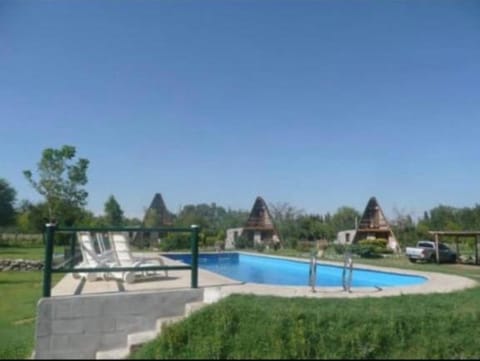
[319, 104]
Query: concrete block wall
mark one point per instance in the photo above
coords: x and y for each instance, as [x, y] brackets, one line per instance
[76, 327]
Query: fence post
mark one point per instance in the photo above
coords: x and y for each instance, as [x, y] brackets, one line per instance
[195, 230]
[47, 267]
[72, 250]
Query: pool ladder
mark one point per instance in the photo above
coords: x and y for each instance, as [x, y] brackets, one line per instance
[312, 274]
[347, 272]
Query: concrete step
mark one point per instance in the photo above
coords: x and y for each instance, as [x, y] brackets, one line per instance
[113, 354]
[193, 306]
[165, 321]
[139, 338]
[134, 340]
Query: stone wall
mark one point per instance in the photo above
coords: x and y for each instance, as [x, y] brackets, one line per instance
[20, 265]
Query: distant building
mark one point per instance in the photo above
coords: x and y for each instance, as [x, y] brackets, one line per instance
[258, 229]
[345, 237]
[232, 236]
[160, 216]
[259, 226]
[157, 215]
[374, 224]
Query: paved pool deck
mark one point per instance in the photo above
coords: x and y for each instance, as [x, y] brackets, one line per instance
[223, 286]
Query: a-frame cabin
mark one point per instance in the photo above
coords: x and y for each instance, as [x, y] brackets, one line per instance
[259, 226]
[156, 215]
[374, 224]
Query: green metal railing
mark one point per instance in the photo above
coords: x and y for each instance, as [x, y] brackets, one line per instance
[52, 229]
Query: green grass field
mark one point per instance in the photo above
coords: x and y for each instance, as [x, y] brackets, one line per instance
[438, 326]
[31, 253]
[19, 294]
[442, 326]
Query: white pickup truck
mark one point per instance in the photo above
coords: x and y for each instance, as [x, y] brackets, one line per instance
[426, 251]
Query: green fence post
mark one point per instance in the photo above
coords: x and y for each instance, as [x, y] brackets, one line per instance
[195, 230]
[47, 267]
[72, 250]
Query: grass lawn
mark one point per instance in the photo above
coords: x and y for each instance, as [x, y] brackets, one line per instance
[20, 292]
[442, 326]
[32, 253]
[438, 326]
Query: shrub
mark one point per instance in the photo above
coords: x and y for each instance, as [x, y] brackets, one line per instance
[322, 244]
[364, 251]
[21, 239]
[375, 246]
[291, 243]
[377, 242]
[175, 241]
[305, 246]
[339, 248]
[260, 247]
[242, 242]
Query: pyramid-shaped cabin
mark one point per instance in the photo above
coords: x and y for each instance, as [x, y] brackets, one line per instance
[157, 215]
[259, 226]
[374, 224]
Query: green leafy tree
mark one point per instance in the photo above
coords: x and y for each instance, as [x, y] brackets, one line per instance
[31, 217]
[344, 218]
[7, 200]
[232, 219]
[132, 222]
[441, 216]
[113, 212]
[60, 182]
[286, 218]
[404, 228]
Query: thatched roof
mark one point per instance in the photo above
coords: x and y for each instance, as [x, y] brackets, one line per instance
[260, 218]
[373, 221]
[158, 205]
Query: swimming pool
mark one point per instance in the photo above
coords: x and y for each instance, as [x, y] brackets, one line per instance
[279, 271]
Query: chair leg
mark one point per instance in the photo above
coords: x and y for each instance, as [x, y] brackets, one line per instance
[129, 277]
[91, 277]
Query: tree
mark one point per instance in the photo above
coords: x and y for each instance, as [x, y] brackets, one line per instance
[7, 199]
[344, 218]
[31, 217]
[404, 228]
[286, 219]
[113, 212]
[60, 182]
[441, 216]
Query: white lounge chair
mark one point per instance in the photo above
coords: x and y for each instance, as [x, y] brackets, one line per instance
[105, 248]
[91, 259]
[124, 258]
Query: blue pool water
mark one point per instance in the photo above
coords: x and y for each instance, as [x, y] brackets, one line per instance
[276, 271]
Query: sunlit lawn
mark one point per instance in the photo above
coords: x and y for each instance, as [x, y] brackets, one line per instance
[437, 326]
[31, 253]
[19, 294]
